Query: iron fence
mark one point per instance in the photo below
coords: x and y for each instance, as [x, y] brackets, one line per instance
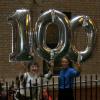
[84, 88]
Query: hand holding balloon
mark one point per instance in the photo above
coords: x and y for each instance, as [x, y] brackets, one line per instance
[77, 66]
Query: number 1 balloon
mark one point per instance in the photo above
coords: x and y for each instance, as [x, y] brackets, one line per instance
[21, 33]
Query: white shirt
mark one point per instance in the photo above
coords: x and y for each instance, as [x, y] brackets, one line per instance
[33, 77]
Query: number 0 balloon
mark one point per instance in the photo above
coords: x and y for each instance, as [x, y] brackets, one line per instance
[87, 24]
[52, 16]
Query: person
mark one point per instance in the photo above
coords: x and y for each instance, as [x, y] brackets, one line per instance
[66, 78]
[46, 95]
[32, 75]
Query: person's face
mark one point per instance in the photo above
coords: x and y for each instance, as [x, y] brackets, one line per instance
[34, 69]
[64, 63]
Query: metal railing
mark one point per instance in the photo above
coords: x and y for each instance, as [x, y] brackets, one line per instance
[84, 88]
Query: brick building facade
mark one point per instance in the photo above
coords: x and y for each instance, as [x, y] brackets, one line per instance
[76, 7]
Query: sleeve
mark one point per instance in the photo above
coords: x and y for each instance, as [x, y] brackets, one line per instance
[23, 79]
[48, 75]
[23, 76]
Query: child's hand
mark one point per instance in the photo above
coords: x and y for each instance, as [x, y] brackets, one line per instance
[51, 62]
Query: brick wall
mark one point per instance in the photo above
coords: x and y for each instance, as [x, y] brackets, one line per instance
[76, 7]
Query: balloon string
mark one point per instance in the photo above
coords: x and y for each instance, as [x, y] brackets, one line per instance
[52, 53]
[51, 65]
[79, 58]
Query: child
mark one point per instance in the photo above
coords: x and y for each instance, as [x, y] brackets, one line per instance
[33, 76]
[46, 96]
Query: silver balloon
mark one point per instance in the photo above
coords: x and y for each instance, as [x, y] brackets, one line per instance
[58, 18]
[21, 35]
[87, 24]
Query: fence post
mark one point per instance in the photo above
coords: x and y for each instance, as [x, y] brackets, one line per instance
[42, 87]
[36, 90]
[30, 90]
[91, 86]
[25, 89]
[13, 89]
[96, 96]
[7, 90]
[80, 87]
[19, 87]
[58, 87]
[53, 87]
[86, 87]
[75, 87]
[47, 89]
